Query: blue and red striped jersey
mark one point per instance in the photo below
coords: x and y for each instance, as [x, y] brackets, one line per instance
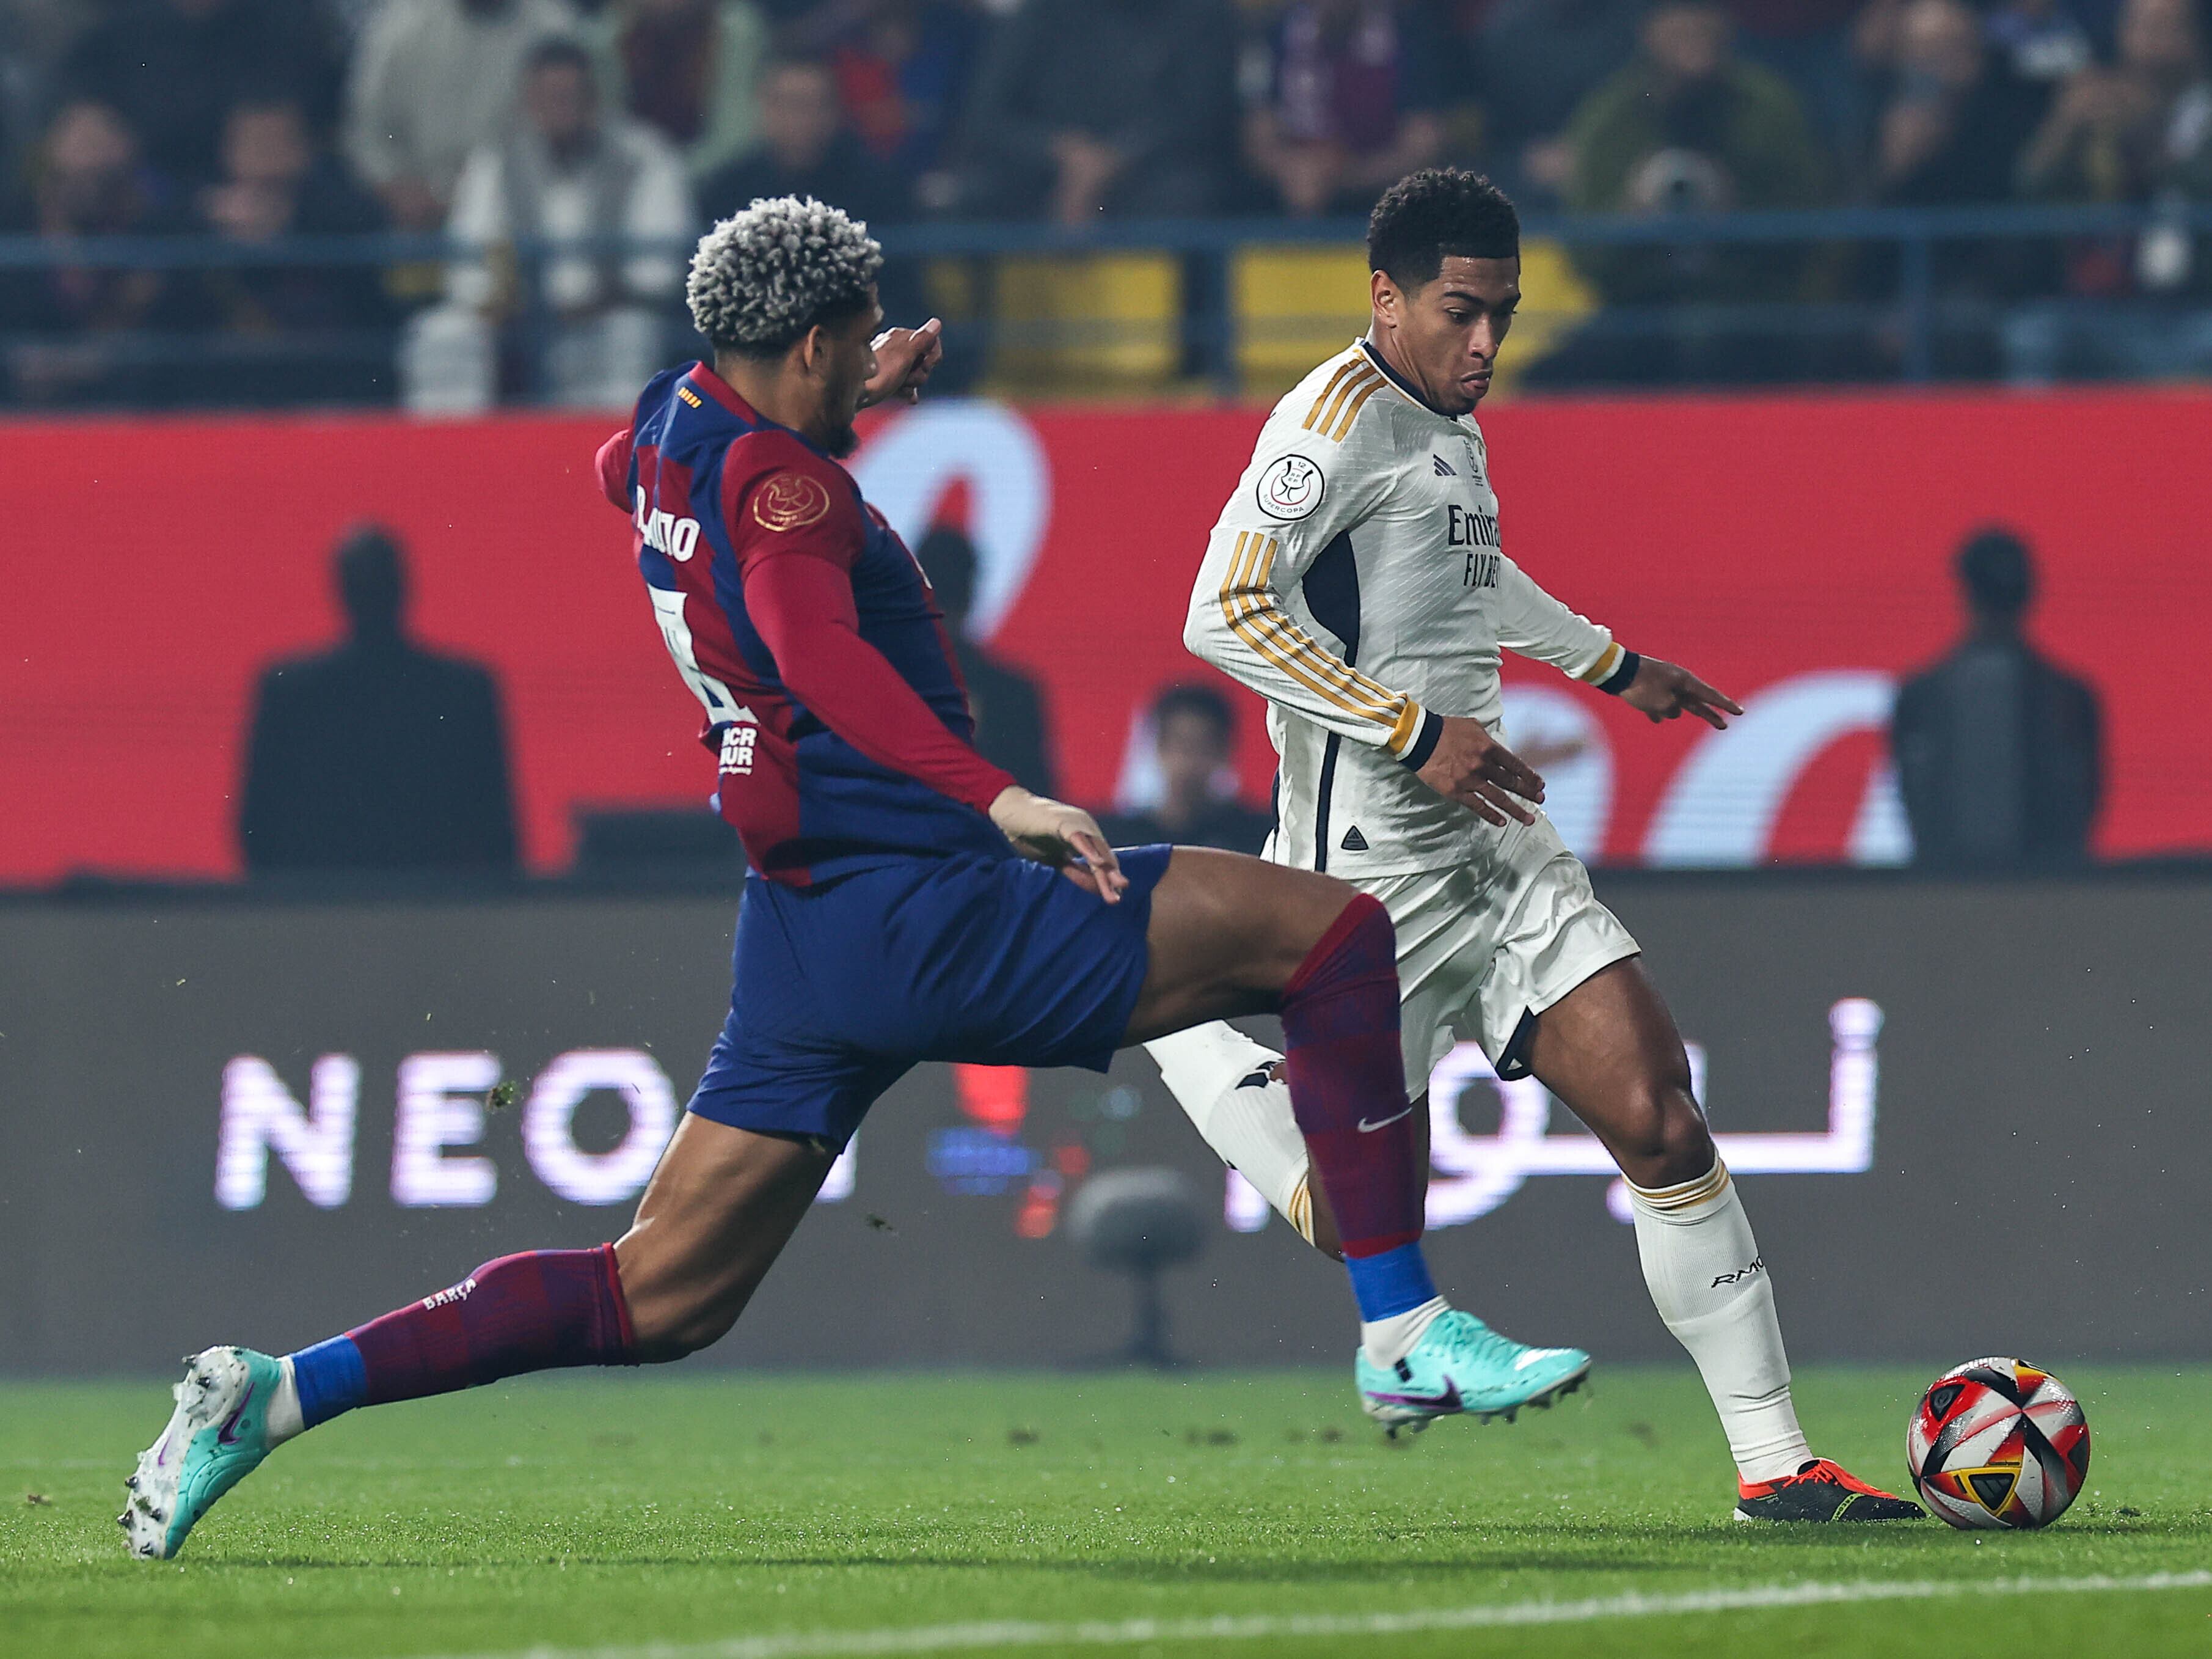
[801, 622]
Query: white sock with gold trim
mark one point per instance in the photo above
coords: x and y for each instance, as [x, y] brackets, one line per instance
[1710, 1286]
[1210, 1070]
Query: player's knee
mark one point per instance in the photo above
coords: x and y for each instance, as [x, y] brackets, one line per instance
[670, 1329]
[673, 1313]
[1664, 1140]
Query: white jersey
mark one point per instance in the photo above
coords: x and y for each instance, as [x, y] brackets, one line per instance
[1356, 581]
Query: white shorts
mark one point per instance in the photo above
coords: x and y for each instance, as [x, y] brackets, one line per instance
[1484, 947]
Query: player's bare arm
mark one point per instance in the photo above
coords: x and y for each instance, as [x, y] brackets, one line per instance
[1474, 768]
[1066, 838]
[905, 357]
[1664, 691]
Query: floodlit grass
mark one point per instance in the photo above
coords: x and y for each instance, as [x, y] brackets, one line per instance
[573, 1513]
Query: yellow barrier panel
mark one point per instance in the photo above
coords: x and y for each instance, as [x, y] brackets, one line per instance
[1296, 305]
[1078, 324]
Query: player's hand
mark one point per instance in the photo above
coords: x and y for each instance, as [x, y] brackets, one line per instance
[1664, 691]
[1471, 767]
[1066, 838]
[905, 358]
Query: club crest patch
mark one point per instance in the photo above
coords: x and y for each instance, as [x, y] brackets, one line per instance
[789, 501]
[1291, 488]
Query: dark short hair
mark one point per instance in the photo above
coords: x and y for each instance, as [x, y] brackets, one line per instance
[372, 573]
[1204, 701]
[1996, 572]
[1438, 213]
[559, 52]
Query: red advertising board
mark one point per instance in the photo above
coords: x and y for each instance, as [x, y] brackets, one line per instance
[1794, 550]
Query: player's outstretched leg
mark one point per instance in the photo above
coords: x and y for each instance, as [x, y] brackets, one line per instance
[1609, 1049]
[717, 1211]
[1234, 935]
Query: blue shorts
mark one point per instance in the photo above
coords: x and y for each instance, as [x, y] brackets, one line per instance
[839, 988]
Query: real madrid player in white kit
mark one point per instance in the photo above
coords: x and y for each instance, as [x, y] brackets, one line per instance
[1357, 579]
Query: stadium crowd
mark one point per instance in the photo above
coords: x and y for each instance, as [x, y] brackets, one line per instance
[247, 120]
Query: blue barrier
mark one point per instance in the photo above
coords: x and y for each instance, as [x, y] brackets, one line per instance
[1916, 310]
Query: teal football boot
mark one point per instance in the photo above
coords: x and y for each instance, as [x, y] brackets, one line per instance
[1461, 1364]
[217, 1436]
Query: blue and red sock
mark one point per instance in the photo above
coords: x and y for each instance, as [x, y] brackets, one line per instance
[532, 1312]
[1348, 1091]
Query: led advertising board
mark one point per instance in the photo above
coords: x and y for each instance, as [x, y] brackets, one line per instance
[1966, 1117]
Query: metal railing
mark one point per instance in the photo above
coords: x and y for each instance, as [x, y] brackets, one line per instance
[1902, 276]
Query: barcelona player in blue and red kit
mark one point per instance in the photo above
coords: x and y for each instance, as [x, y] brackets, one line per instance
[907, 901]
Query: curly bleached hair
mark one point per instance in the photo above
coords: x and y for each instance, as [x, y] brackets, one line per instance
[765, 276]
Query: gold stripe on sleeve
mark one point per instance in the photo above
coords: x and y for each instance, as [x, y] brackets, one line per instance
[1365, 380]
[1352, 411]
[1401, 735]
[1601, 671]
[1348, 366]
[1255, 618]
[1381, 695]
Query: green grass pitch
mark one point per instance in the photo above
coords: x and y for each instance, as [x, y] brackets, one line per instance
[756, 1516]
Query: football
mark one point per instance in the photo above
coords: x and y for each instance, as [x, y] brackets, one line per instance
[1996, 1442]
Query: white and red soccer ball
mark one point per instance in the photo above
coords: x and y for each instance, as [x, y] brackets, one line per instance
[1996, 1442]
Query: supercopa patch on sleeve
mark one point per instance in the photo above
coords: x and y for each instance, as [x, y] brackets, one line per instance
[789, 501]
[1291, 488]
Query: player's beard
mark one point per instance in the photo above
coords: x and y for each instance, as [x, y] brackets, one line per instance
[842, 442]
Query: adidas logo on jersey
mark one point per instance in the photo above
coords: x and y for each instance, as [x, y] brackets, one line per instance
[1443, 467]
[1353, 840]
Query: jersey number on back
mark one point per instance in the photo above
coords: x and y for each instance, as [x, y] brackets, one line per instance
[721, 707]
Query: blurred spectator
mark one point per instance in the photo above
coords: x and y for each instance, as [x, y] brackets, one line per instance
[1089, 107]
[1956, 118]
[902, 69]
[432, 80]
[1689, 127]
[1535, 61]
[295, 331]
[2138, 132]
[34, 36]
[806, 149]
[2041, 42]
[1998, 750]
[378, 754]
[2122, 134]
[1809, 43]
[568, 174]
[70, 325]
[689, 69]
[172, 69]
[1355, 91]
[1194, 741]
[1012, 731]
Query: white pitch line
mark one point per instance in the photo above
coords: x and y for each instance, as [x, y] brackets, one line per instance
[1235, 1627]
